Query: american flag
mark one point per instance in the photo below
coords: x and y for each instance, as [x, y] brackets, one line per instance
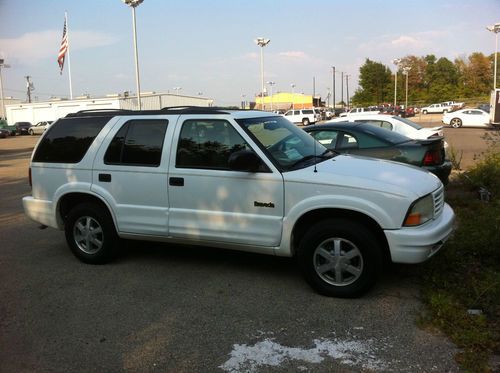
[63, 49]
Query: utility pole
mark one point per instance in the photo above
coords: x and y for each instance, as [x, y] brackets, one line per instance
[314, 89]
[29, 87]
[333, 89]
[347, 88]
[342, 89]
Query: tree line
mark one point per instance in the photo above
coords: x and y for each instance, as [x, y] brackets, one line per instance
[430, 80]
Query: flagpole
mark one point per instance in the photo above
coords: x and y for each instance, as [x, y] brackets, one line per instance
[69, 60]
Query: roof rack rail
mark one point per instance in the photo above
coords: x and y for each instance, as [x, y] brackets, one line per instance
[98, 112]
[165, 110]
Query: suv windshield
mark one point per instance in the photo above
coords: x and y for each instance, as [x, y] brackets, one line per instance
[409, 122]
[290, 147]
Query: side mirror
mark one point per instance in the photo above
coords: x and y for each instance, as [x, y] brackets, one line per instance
[245, 161]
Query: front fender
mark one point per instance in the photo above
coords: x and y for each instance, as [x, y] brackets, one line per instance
[381, 215]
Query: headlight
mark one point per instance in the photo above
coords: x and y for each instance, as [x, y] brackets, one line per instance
[420, 211]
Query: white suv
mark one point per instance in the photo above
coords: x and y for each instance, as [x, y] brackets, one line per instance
[245, 180]
[304, 116]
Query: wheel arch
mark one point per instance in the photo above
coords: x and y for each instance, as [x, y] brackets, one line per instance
[311, 217]
[72, 199]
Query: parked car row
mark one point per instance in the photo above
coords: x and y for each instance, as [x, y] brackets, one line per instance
[23, 128]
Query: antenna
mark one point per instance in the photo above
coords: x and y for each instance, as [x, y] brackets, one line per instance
[315, 169]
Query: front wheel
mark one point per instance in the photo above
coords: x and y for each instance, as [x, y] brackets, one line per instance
[31, 132]
[424, 112]
[340, 258]
[456, 122]
[91, 234]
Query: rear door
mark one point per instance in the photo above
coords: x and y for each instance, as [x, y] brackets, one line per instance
[130, 172]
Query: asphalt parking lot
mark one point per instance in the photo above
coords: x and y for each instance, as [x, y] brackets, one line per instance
[184, 309]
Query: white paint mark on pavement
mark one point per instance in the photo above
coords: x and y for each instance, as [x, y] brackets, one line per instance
[245, 358]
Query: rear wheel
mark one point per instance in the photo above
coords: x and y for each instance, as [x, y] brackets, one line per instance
[31, 132]
[306, 121]
[91, 234]
[424, 111]
[456, 122]
[340, 258]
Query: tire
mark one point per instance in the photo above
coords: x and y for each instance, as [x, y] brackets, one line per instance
[305, 122]
[98, 246]
[31, 132]
[424, 112]
[445, 111]
[456, 123]
[359, 250]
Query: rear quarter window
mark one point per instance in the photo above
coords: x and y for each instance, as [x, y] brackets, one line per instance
[68, 139]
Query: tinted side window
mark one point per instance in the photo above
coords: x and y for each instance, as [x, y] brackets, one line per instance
[207, 144]
[348, 142]
[328, 138]
[68, 139]
[138, 142]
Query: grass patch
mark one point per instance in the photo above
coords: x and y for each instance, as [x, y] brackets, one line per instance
[466, 274]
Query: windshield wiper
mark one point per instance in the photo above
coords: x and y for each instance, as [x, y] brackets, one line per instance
[327, 154]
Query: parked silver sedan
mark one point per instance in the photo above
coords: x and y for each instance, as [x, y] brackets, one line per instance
[39, 128]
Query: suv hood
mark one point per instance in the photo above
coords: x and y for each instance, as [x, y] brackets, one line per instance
[368, 173]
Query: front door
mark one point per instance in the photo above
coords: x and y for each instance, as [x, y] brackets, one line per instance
[211, 202]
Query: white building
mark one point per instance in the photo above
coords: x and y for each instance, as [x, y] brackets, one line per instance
[57, 108]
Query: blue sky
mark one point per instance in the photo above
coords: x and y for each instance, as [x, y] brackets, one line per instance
[208, 46]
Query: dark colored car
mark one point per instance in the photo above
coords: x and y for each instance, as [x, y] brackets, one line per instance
[22, 128]
[4, 133]
[367, 140]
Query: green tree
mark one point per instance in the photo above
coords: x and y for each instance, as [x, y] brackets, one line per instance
[374, 84]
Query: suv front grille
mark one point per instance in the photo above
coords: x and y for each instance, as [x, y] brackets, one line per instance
[438, 197]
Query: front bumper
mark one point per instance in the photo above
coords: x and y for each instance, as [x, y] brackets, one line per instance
[417, 244]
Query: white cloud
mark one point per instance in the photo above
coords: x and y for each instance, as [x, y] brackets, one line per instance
[405, 41]
[34, 46]
[408, 43]
[294, 54]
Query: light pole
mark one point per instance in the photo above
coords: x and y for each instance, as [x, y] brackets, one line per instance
[271, 85]
[262, 42]
[177, 89]
[134, 4]
[2, 66]
[406, 70]
[496, 29]
[396, 62]
[243, 101]
[293, 98]
[347, 90]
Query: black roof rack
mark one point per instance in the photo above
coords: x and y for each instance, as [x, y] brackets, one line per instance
[165, 110]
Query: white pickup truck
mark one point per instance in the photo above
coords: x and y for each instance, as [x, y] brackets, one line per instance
[443, 107]
[244, 180]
